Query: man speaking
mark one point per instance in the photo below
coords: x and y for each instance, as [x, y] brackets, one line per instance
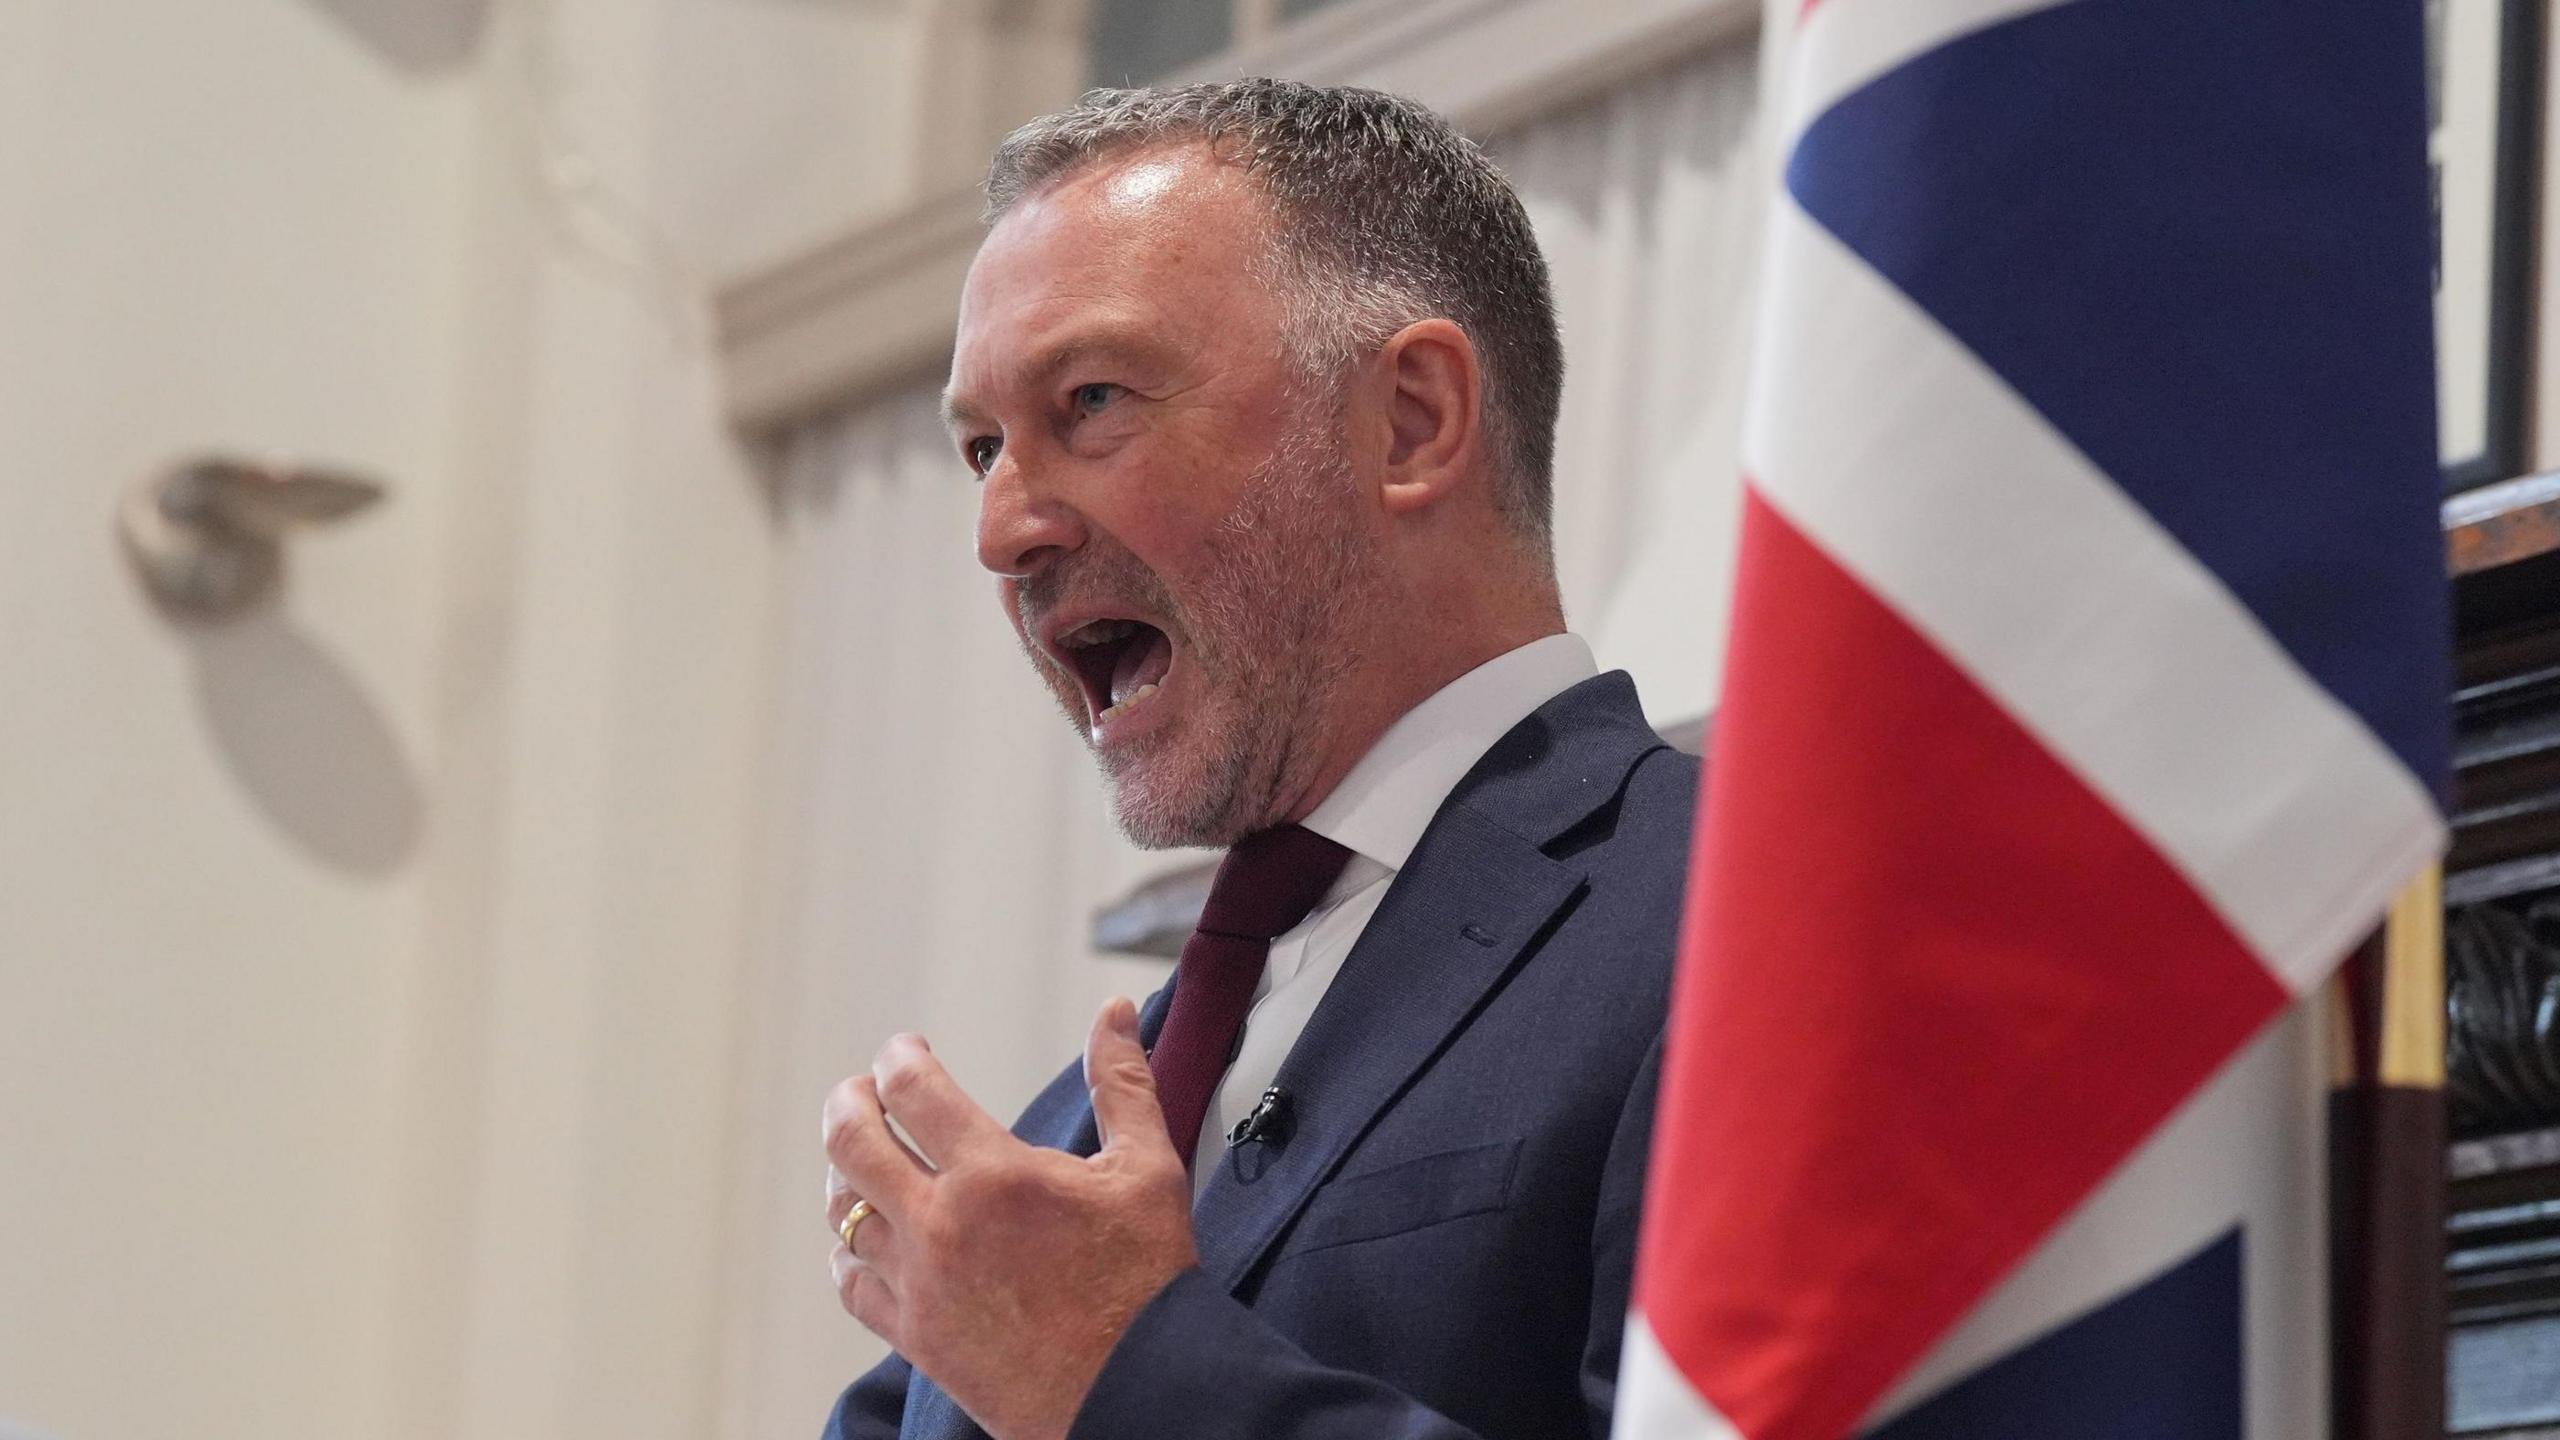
[1259, 381]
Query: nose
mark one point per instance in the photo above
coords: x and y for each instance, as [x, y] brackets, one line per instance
[1022, 528]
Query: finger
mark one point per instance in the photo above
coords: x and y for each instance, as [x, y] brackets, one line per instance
[874, 1240]
[1125, 1107]
[866, 1296]
[869, 1158]
[946, 1124]
[840, 1197]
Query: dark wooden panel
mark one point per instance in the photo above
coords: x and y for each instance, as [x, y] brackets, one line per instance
[2502, 956]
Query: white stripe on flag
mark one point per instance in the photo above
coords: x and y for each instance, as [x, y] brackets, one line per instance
[2247, 1150]
[1656, 1401]
[1844, 44]
[1910, 462]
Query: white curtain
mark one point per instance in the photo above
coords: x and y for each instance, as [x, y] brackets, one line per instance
[939, 840]
[1649, 206]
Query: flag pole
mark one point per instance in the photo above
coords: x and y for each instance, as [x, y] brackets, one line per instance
[2387, 1137]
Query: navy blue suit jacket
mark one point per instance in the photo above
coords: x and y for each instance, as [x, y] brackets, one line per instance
[1442, 1246]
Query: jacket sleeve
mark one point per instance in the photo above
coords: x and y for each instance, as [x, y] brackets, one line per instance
[873, 1406]
[1613, 1241]
[1198, 1363]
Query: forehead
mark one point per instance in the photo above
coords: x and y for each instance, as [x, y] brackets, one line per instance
[1159, 244]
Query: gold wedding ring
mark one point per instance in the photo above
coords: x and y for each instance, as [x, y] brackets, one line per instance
[853, 1219]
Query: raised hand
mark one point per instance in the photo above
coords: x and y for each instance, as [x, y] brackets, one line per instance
[1004, 1271]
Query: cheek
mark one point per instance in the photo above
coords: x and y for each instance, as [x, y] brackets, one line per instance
[1169, 511]
[1106, 439]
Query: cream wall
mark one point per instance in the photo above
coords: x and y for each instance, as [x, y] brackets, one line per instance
[199, 942]
[367, 970]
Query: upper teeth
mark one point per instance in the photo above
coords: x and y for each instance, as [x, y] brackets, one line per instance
[1100, 632]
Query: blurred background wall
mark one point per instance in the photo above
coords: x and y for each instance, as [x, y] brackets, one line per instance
[415, 999]
[368, 969]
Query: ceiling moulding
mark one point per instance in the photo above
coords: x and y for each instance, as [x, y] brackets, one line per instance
[859, 313]
[873, 308]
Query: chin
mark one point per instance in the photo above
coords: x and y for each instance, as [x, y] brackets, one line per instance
[1154, 820]
[1144, 832]
[1162, 803]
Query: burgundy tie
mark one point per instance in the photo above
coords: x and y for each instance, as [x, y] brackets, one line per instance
[1267, 884]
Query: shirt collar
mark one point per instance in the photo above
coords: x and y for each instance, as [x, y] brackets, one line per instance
[1382, 807]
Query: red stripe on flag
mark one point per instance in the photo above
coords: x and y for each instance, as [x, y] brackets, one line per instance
[1932, 989]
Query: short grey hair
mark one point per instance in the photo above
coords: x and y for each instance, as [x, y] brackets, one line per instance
[1388, 216]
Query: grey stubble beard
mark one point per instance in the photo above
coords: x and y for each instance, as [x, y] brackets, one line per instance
[1270, 641]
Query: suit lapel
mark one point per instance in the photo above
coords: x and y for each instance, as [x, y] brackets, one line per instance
[1456, 919]
[1470, 902]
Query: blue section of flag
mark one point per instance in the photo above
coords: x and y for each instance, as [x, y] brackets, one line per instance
[2161, 1362]
[2193, 234]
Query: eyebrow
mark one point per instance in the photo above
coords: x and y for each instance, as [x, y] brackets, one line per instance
[957, 412]
[1114, 340]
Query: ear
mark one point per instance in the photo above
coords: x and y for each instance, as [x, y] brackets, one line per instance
[1434, 413]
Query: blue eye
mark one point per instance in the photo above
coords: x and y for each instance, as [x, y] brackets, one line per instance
[1090, 399]
[982, 453]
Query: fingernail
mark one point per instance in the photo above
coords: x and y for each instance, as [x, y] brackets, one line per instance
[1124, 1017]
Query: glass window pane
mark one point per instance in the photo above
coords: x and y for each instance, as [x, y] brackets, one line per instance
[1135, 41]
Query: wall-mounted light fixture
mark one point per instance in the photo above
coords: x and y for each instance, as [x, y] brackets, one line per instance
[207, 535]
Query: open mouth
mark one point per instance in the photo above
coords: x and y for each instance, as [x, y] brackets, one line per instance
[1121, 664]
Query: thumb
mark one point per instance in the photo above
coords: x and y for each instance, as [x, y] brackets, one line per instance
[1124, 1089]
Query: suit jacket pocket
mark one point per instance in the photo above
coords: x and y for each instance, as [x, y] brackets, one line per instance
[1408, 1195]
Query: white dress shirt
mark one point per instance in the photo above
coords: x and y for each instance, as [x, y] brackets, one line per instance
[1378, 813]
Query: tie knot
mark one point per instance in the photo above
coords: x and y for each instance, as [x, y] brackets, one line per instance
[1269, 881]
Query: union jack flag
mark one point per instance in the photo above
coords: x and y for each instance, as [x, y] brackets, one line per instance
[2085, 704]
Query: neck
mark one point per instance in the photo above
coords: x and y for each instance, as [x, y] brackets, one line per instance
[1396, 681]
